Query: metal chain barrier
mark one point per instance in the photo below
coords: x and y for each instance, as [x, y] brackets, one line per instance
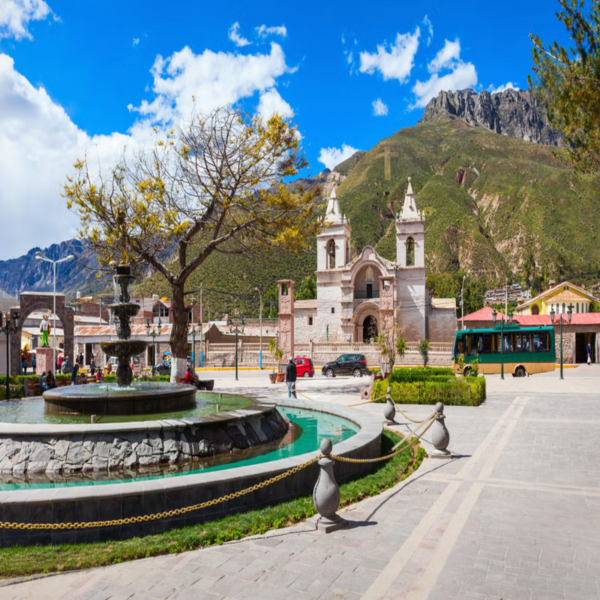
[169, 513]
[388, 456]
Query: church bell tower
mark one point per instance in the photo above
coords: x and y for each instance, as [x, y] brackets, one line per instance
[410, 233]
[333, 243]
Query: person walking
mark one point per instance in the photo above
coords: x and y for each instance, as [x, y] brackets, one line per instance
[290, 378]
[589, 354]
[74, 374]
[65, 366]
[92, 367]
[33, 363]
[24, 365]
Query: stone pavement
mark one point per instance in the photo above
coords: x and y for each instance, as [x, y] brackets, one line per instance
[514, 515]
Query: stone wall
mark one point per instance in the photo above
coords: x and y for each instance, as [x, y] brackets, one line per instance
[442, 325]
[103, 451]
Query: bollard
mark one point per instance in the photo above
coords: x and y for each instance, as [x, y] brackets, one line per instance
[93, 419]
[389, 410]
[440, 437]
[326, 495]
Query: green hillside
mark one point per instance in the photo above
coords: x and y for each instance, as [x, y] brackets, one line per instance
[495, 206]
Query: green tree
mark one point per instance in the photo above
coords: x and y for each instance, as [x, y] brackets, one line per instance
[424, 350]
[307, 289]
[568, 82]
[214, 184]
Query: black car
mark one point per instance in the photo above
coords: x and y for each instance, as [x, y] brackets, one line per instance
[346, 364]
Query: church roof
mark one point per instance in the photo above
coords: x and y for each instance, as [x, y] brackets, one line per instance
[334, 215]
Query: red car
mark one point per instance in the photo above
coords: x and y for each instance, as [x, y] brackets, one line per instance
[304, 367]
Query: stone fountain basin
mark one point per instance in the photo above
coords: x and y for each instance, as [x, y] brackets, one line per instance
[108, 399]
[120, 348]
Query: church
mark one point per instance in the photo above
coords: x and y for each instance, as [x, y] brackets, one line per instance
[355, 293]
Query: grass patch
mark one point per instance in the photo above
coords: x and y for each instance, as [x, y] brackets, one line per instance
[19, 561]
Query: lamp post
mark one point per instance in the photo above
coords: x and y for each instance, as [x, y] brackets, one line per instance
[236, 331]
[194, 332]
[561, 321]
[495, 315]
[261, 312]
[462, 303]
[7, 329]
[40, 256]
[153, 333]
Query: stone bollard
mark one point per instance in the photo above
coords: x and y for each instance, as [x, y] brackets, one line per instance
[389, 410]
[326, 494]
[440, 437]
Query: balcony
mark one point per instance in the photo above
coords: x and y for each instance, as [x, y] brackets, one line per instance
[367, 294]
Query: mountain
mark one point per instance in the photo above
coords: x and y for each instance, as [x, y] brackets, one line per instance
[515, 113]
[494, 204]
[27, 273]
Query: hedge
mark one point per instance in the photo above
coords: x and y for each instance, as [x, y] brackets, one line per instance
[464, 391]
[412, 375]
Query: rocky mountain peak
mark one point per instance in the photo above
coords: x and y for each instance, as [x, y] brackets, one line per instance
[515, 113]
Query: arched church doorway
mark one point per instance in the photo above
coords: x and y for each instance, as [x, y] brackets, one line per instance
[370, 329]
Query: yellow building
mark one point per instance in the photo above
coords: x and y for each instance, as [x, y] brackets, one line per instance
[558, 299]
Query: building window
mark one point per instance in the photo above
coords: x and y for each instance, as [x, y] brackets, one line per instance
[410, 252]
[535, 309]
[310, 320]
[332, 310]
[563, 308]
[347, 252]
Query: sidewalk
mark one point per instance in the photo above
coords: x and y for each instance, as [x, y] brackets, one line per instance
[515, 515]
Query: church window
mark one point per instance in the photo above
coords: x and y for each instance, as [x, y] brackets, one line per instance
[410, 252]
[310, 320]
[331, 254]
[535, 309]
[347, 252]
[332, 310]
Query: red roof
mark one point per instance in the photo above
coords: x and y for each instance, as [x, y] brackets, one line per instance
[486, 314]
[483, 314]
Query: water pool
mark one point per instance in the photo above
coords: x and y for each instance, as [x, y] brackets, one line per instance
[310, 427]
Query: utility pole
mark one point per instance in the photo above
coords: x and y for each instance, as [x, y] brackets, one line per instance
[201, 324]
[462, 303]
[506, 300]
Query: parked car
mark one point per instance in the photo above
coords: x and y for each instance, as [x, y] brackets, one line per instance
[136, 364]
[304, 367]
[346, 364]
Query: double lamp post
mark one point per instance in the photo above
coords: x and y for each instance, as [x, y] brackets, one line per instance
[561, 320]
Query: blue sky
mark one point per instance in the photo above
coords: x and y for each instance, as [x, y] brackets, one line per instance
[93, 76]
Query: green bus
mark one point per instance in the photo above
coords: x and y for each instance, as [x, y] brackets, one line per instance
[527, 350]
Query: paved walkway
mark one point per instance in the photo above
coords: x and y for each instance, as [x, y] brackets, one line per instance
[514, 515]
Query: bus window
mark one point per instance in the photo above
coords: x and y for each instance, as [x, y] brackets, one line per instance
[460, 347]
[522, 342]
[540, 342]
[508, 342]
[485, 343]
[468, 341]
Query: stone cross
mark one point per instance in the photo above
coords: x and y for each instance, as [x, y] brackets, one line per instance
[387, 161]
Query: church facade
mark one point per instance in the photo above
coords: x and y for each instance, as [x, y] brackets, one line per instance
[354, 294]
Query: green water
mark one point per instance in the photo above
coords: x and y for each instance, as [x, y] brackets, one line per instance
[32, 411]
[311, 426]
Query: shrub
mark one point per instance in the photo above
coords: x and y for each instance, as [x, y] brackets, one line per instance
[466, 391]
[424, 350]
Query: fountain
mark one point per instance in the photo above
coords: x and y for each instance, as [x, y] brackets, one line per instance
[124, 398]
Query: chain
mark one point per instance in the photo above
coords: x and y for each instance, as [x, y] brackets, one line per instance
[169, 513]
[387, 456]
[412, 420]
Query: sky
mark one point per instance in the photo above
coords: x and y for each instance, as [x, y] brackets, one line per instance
[92, 78]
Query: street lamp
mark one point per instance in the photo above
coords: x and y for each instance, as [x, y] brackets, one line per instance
[7, 329]
[236, 331]
[40, 256]
[194, 332]
[153, 334]
[261, 312]
[495, 315]
[561, 321]
[462, 303]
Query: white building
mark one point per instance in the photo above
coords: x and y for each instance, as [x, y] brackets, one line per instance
[347, 308]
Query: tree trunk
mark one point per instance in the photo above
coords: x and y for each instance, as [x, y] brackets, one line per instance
[179, 333]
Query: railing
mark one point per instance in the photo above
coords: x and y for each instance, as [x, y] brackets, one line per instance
[366, 294]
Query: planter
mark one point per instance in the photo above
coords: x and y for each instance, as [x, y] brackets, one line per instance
[280, 377]
[273, 377]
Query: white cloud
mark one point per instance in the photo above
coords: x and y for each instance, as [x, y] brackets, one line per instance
[263, 31]
[235, 36]
[462, 75]
[427, 22]
[271, 102]
[445, 57]
[501, 88]
[15, 16]
[136, 41]
[209, 80]
[395, 63]
[331, 157]
[39, 143]
[380, 109]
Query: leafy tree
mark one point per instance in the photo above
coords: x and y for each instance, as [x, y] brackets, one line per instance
[307, 289]
[391, 338]
[568, 82]
[424, 350]
[214, 184]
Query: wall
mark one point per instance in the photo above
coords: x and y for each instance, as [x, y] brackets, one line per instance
[303, 332]
[442, 325]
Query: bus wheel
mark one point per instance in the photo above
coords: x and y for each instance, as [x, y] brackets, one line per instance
[520, 372]
[467, 371]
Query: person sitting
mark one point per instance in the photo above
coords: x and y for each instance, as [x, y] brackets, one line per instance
[50, 381]
[74, 374]
[190, 377]
[43, 382]
[99, 375]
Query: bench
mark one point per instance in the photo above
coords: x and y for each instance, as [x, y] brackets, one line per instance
[30, 388]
